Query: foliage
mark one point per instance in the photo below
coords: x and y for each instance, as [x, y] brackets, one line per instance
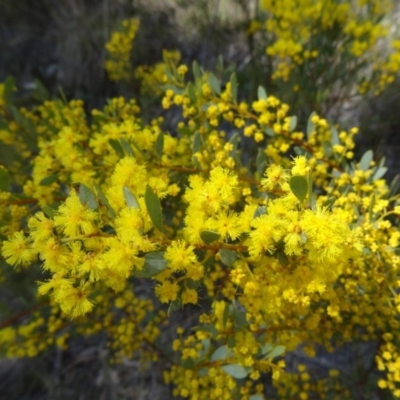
[330, 50]
[298, 247]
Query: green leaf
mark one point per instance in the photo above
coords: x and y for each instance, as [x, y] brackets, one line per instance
[130, 198]
[266, 348]
[328, 149]
[234, 139]
[371, 208]
[394, 186]
[154, 208]
[86, 196]
[276, 352]
[160, 144]
[196, 70]
[239, 318]
[117, 147]
[366, 159]
[50, 212]
[234, 87]
[293, 123]
[299, 187]
[209, 236]
[334, 136]
[261, 93]
[261, 162]
[127, 147]
[261, 210]
[102, 197]
[257, 396]
[269, 132]
[310, 124]
[379, 173]
[222, 353]
[191, 92]
[169, 73]
[215, 83]
[228, 257]
[153, 265]
[175, 305]
[231, 342]
[196, 142]
[5, 179]
[205, 347]
[236, 371]
[48, 180]
[330, 202]
[282, 258]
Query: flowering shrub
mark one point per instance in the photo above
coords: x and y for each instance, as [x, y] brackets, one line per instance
[298, 247]
[326, 52]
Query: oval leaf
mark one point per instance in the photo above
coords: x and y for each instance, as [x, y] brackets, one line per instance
[48, 180]
[160, 144]
[209, 236]
[154, 208]
[196, 70]
[228, 257]
[86, 196]
[127, 147]
[261, 210]
[276, 352]
[261, 161]
[50, 212]
[257, 397]
[299, 187]
[196, 142]
[366, 159]
[214, 83]
[117, 147]
[293, 123]
[103, 199]
[191, 92]
[222, 353]
[234, 87]
[261, 93]
[130, 198]
[334, 136]
[236, 371]
[153, 265]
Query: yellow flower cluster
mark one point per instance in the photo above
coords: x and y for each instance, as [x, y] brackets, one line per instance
[308, 37]
[119, 48]
[153, 76]
[298, 246]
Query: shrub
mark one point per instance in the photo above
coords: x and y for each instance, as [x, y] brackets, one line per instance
[297, 247]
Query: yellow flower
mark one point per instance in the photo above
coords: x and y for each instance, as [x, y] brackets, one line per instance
[75, 218]
[167, 291]
[189, 296]
[180, 256]
[17, 250]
